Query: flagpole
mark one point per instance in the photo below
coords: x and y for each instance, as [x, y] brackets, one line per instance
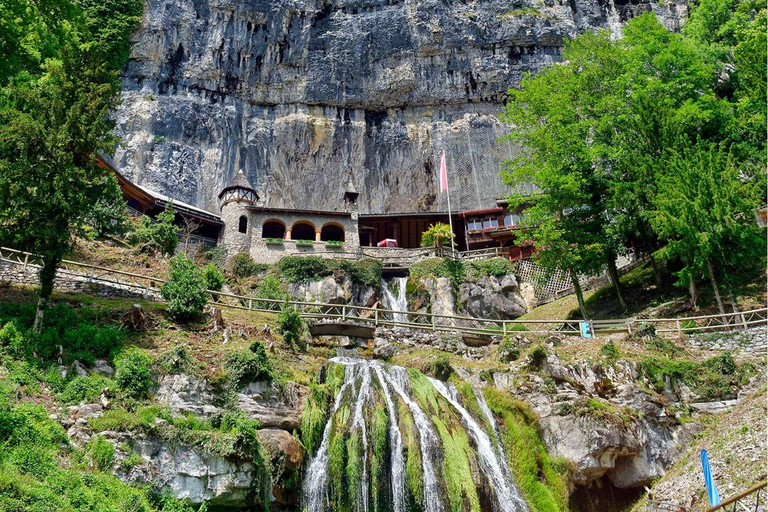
[448, 189]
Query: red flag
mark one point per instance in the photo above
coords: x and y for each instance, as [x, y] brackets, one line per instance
[443, 174]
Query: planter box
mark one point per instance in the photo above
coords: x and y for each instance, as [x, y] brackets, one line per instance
[273, 241]
[305, 243]
[330, 245]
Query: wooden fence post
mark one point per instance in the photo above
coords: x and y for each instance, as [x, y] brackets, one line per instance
[629, 326]
[504, 328]
[376, 317]
[743, 321]
[250, 304]
[679, 330]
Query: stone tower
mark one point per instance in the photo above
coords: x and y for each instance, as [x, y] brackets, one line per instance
[234, 200]
[350, 198]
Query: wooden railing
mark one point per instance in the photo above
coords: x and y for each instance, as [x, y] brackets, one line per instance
[147, 285]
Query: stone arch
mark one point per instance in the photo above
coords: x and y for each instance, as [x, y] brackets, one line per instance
[273, 228]
[303, 230]
[242, 225]
[332, 231]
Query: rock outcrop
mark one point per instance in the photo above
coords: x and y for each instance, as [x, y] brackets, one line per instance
[300, 93]
[487, 297]
[334, 290]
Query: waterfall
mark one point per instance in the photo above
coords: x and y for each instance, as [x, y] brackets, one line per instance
[395, 303]
[492, 422]
[508, 497]
[369, 384]
[316, 480]
[396, 438]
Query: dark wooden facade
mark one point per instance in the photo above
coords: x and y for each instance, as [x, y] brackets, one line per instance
[406, 228]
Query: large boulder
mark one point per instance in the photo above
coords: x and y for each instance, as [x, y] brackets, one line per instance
[285, 455]
[492, 297]
[336, 289]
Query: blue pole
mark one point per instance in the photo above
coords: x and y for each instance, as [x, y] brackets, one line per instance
[714, 497]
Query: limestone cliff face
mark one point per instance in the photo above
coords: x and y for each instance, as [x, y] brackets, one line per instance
[300, 93]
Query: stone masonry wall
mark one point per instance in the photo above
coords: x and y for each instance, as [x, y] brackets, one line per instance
[72, 283]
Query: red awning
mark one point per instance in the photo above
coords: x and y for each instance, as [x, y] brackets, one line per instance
[387, 242]
[498, 209]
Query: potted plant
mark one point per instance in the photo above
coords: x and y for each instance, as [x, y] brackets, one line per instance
[273, 241]
[305, 242]
[334, 244]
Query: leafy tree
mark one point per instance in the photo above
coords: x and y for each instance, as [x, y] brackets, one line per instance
[108, 215]
[57, 92]
[213, 277]
[705, 207]
[269, 288]
[158, 234]
[290, 325]
[438, 235]
[186, 290]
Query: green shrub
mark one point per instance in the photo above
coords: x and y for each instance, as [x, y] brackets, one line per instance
[85, 389]
[290, 325]
[439, 267]
[185, 291]
[158, 234]
[216, 255]
[101, 453]
[213, 277]
[269, 288]
[717, 378]
[297, 269]
[538, 354]
[645, 331]
[247, 366]
[610, 351]
[13, 340]
[133, 373]
[242, 265]
[497, 267]
[509, 351]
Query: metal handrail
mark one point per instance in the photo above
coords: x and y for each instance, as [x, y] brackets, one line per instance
[431, 321]
[733, 500]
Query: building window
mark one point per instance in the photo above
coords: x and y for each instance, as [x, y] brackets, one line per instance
[332, 233]
[243, 227]
[511, 219]
[273, 229]
[474, 225]
[490, 222]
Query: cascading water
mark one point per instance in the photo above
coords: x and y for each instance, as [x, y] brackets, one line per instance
[509, 498]
[371, 386]
[395, 302]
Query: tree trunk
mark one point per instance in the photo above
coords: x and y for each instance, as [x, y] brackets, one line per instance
[694, 293]
[613, 273]
[579, 294]
[47, 278]
[656, 273]
[716, 289]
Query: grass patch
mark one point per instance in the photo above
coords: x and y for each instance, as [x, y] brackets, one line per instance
[544, 482]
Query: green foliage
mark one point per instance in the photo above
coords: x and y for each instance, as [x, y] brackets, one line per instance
[38, 475]
[439, 367]
[242, 265]
[379, 494]
[85, 389]
[270, 288]
[159, 234]
[314, 416]
[666, 147]
[298, 269]
[496, 267]
[185, 290]
[438, 267]
[623, 417]
[246, 366]
[108, 215]
[609, 350]
[175, 360]
[544, 482]
[645, 331]
[509, 351]
[101, 453]
[133, 373]
[538, 355]
[438, 235]
[717, 378]
[213, 277]
[58, 85]
[13, 340]
[216, 255]
[291, 326]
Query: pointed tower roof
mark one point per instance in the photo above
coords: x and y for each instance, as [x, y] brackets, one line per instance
[350, 186]
[239, 181]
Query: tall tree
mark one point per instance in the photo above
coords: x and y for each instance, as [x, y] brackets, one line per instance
[59, 84]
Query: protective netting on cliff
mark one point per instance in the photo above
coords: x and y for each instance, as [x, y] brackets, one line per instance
[476, 152]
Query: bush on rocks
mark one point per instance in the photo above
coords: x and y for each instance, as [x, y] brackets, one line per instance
[133, 373]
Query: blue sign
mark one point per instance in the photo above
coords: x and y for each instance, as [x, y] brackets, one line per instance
[714, 497]
[586, 332]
